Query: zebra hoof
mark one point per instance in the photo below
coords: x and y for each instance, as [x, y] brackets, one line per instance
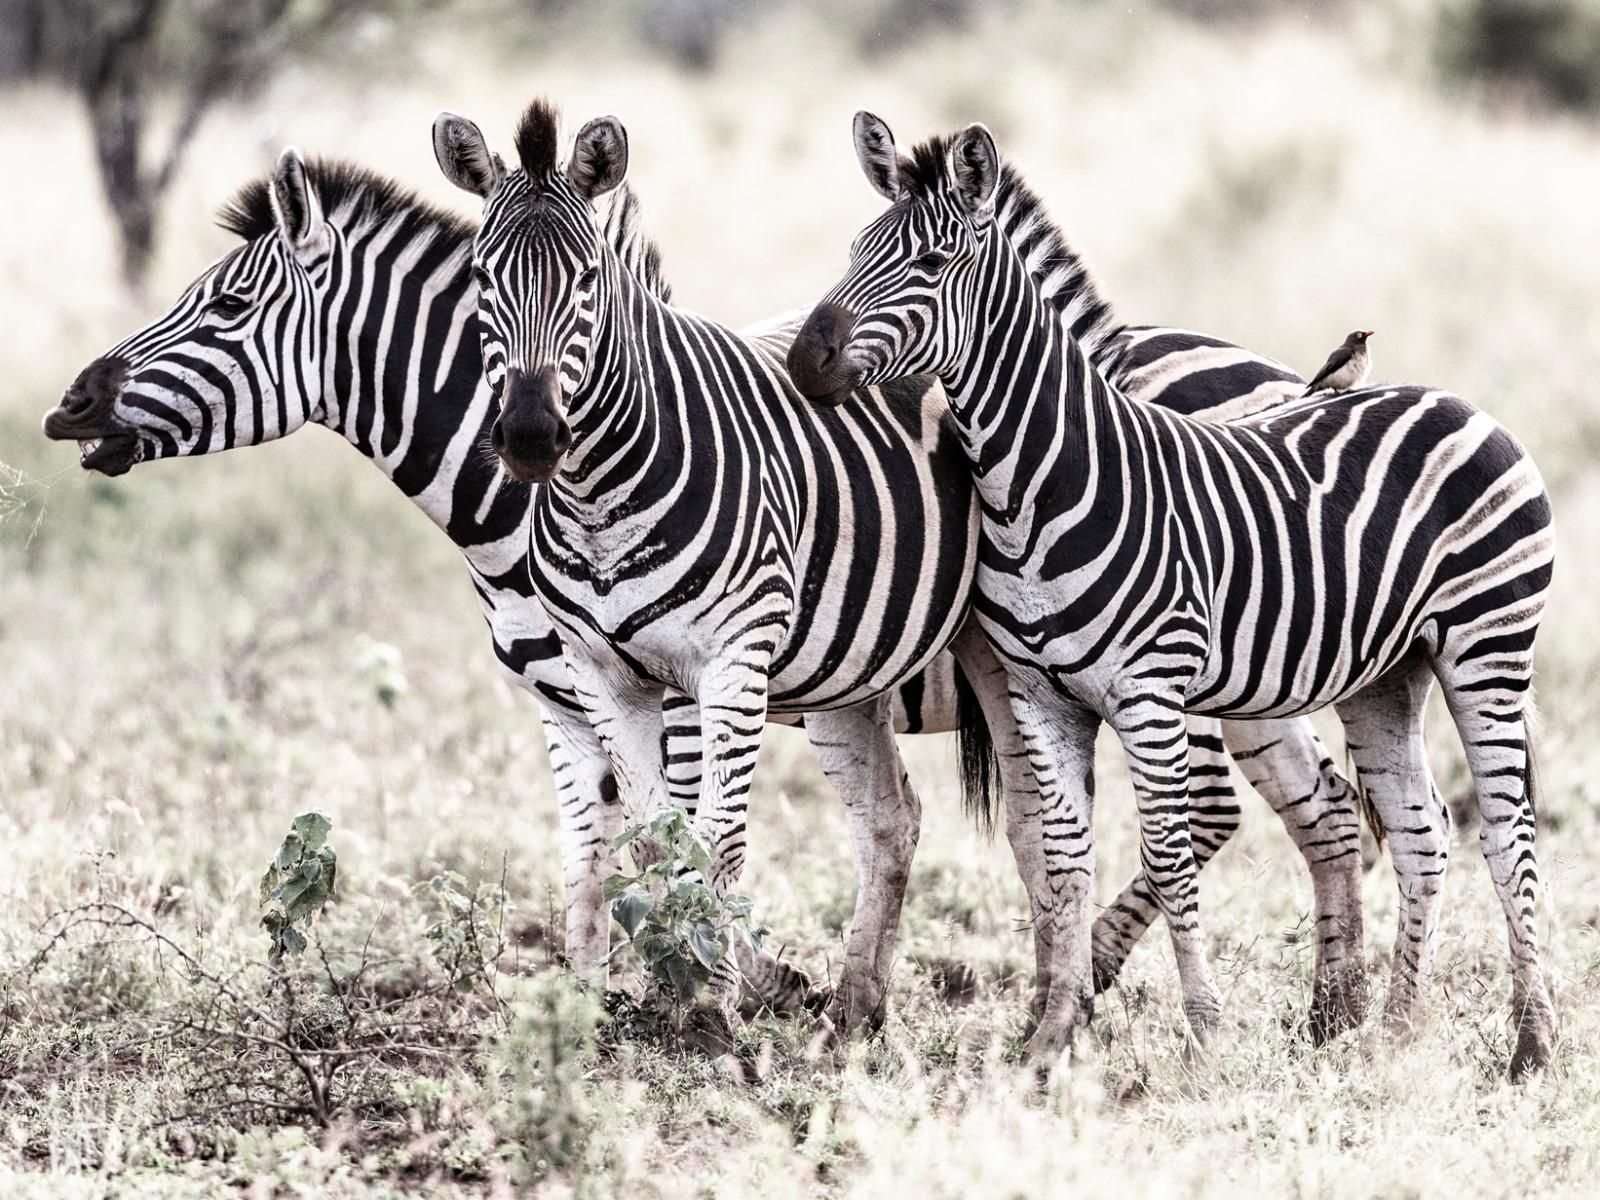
[1338, 1003]
[1533, 1052]
[1106, 970]
[708, 1031]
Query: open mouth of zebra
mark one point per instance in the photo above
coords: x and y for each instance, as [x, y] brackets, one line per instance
[110, 451]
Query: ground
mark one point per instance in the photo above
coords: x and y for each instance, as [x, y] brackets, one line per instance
[197, 653]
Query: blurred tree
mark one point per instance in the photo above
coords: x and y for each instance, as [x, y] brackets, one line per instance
[1551, 47]
[121, 54]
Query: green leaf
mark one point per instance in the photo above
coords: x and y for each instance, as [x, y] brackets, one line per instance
[615, 885]
[312, 829]
[630, 909]
[289, 853]
[707, 943]
[626, 836]
[293, 940]
[681, 976]
[268, 882]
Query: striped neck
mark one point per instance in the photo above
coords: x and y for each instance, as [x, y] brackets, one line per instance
[623, 444]
[402, 379]
[1024, 388]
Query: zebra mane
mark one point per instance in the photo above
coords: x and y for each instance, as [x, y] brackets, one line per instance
[352, 194]
[621, 227]
[357, 196]
[1062, 275]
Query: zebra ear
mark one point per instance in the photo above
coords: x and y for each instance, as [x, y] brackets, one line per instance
[464, 156]
[599, 157]
[975, 169]
[878, 155]
[295, 205]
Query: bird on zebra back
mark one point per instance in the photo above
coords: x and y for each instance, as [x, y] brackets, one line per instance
[1347, 367]
[688, 501]
[1137, 564]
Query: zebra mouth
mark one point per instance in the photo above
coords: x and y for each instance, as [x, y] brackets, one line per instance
[112, 454]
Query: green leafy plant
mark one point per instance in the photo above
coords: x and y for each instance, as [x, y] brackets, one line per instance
[298, 882]
[675, 922]
[468, 936]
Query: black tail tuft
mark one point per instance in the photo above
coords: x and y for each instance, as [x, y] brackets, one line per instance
[980, 768]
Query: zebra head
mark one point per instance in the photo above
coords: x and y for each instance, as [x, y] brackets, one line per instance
[235, 362]
[542, 276]
[913, 271]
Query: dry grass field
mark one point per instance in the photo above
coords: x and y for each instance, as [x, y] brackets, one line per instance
[193, 654]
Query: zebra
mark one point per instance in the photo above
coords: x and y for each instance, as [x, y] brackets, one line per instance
[620, 406]
[1136, 564]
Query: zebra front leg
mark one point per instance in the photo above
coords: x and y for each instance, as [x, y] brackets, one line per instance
[733, 713]
[1286, 762]
[986, 676]
[1155, 738]
[857, 751]
[1059, 736]
[1213, 820]
[590, 818]
[1383, 727]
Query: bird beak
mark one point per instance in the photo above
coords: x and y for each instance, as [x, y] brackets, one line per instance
[1370, 332]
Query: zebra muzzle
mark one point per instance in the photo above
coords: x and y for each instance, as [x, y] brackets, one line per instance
[818, 365]
[531, 435]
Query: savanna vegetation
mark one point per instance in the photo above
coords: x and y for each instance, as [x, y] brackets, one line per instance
[196, 655]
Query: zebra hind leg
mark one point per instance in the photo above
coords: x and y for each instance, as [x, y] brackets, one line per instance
[1213, 820]
[857, 751]
[1384, 735]
[1286, 762]
[990, 686]
[1492, 717]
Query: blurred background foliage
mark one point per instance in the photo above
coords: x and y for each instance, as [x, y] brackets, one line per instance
[126, 58]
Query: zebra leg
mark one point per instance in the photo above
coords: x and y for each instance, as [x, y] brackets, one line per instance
[1286, 762]
[590, 819]
[778, 985]
[680, 750]
[625, 713]
[1492, 721]
[1155, 738]
[1213, 819]
[1059, 736]
[857, 750]
[987, 678]
[1383, 727]
[733, 714]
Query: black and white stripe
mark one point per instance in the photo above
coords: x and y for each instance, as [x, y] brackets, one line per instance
[1137, 564]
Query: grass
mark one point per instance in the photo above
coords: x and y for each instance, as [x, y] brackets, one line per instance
[188, 663]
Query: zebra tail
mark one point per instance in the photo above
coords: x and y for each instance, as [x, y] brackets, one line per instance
[1530, 782]
[980, 767]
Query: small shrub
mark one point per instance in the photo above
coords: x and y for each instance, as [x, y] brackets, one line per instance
[298, 882]
[674, 921]
[469, 935]
[543, 1112]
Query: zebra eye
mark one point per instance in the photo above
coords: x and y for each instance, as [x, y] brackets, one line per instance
[481, 278]
[931, 261]
[586, 280]
[226, 304]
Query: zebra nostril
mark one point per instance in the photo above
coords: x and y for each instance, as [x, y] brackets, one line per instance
[497, 437]
[829, 355]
